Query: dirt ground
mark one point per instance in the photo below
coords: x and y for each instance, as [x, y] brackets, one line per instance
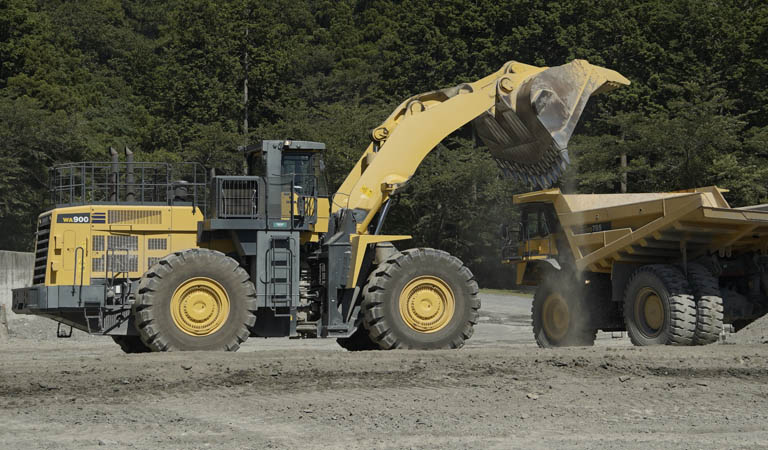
[500, 391]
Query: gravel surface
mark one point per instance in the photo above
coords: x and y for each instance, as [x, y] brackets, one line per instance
[500, 391]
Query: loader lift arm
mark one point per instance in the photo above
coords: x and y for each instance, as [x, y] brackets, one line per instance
[524, 114]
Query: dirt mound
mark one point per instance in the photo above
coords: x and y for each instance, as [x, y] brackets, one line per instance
[754, 333]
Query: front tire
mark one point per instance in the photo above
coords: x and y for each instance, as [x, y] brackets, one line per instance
[421, 299]
[560, 315]
[197, 299]
[659, 307]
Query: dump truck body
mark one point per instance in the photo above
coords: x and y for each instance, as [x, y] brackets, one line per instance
[605, 239]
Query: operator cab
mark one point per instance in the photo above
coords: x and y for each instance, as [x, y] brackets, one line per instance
[535, 235]
[299, 161]
[282, 190]
[275, 158]
[537, 220]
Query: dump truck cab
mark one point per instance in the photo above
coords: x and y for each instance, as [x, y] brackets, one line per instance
[534, 239]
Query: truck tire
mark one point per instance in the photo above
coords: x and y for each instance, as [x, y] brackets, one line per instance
[560, 315]
[420, 299]
[358, 341]
[197, 299]
[131, 344]
[709, 304]
[659, 307]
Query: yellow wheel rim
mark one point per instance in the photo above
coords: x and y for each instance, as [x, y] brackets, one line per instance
[427, 304]
[555, 316]
[649, 311]
[199, 306]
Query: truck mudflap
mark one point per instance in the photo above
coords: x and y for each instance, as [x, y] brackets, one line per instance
[81, 307]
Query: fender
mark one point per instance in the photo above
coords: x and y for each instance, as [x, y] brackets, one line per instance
[527, 269]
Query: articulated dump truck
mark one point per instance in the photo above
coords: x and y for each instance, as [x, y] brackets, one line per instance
[667, 268]
[160, 258]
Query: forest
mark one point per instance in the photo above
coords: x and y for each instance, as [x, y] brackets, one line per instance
[194, 80]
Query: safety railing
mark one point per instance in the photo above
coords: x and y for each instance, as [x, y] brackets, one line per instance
[128, 183]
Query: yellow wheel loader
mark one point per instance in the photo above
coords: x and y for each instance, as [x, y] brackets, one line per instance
[667, 268]
[160, 259]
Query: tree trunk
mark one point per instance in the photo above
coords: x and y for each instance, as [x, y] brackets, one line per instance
[245, 88]
[623, 172]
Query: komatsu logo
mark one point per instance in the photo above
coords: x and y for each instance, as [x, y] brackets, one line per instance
[73, 218]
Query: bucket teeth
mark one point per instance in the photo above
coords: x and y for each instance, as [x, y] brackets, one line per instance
[531, 125]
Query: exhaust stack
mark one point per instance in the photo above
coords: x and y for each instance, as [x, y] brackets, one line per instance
[114, 174]
[130, 194]
[528, 129]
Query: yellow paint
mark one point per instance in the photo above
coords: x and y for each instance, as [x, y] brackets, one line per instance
[647, 228]
[360, 243]
[555, 316]
[321, 225]
[427, 304]
[199, 306]
[132, 225]
[421, 122]
[654, 312]
[520, 272]
[649, 311]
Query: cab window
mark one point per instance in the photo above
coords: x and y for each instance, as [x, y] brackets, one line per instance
[536, 223]
[307, 172]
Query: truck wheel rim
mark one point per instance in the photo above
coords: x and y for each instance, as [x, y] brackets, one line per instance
[556, 317]
[199, 306]
[649, 312]
[427, 304]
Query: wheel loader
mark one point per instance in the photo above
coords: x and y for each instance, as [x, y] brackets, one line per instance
[667, 268]
[160, 258]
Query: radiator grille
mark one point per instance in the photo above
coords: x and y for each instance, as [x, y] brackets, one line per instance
[116, 264]
[98, 243]
[123, 263]
[157, 244]
[138, 217]
[41, 249]
[120, 242]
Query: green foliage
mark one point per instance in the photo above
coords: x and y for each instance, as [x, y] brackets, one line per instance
[167, 78]
[694, 141]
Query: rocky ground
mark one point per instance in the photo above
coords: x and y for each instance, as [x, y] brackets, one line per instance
[500, 391]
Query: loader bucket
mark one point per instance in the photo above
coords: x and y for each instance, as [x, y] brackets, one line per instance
[529, 128]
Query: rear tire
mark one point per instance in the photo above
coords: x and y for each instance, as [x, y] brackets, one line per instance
[560, 315]
[709, 305]
[197, 299]
[131, 344]
[421, 299]
[659, 308]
